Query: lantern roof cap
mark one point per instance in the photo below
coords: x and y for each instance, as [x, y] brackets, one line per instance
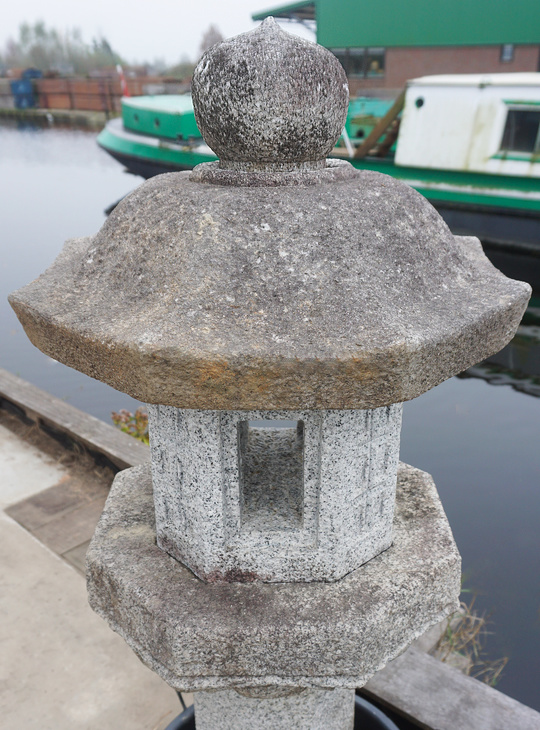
[347, 294]
[276, 284]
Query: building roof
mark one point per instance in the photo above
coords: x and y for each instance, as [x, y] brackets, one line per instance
[301, 11]
[343, 23]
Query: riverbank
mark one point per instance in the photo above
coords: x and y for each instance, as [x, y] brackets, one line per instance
[77, 119]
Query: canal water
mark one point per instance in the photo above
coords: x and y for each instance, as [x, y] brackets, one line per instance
[478, 435]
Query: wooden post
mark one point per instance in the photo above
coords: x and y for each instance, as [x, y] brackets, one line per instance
[380, 128]
[70, 95]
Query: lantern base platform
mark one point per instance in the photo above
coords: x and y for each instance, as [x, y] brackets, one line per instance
[200, 636]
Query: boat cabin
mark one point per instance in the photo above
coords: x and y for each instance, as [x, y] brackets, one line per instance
[472, 122]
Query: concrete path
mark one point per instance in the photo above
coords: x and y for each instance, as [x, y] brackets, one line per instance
[61, 667]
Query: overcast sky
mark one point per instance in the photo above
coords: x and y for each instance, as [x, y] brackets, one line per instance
[143, 30]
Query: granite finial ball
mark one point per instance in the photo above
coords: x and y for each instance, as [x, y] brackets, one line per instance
[270, 100]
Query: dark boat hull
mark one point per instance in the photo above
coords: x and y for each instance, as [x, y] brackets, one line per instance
[497, 229]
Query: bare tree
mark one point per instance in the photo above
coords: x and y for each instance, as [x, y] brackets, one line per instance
[183, 69]
[210, 38]
[49, 49]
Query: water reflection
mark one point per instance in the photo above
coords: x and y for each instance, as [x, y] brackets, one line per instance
[518, 364]
[28, 126]
[54, 185]
[481, 444]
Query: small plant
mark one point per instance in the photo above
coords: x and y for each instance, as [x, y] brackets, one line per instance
[464, 636]
[134, 424]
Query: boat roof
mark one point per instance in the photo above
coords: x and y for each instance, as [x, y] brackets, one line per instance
[170, 103]
[510, 79]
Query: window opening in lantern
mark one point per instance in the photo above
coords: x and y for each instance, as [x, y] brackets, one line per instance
[271, 461]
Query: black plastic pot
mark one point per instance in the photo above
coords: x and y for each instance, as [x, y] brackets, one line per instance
[369, 717]
[366, 717]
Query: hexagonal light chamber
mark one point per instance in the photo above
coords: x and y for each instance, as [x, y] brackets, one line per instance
[274, 495]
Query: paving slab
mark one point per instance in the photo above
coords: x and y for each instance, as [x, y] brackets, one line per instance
[77, 557]
[24, 469]
[57, 501]
[69, 531]
[60, 666]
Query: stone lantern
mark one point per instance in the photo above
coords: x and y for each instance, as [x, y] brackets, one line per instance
[274, 309]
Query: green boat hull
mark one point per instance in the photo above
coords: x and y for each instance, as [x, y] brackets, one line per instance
[474, 190]
[499, 209]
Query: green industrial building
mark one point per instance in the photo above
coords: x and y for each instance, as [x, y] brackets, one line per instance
[381, 45]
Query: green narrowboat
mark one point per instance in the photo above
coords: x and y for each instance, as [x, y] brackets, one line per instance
[469, 143]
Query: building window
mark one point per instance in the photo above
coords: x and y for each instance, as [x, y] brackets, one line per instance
[341, 55]
[361, 63]
[375, 62]
[507, 52]
[522, 131]
[356, 62]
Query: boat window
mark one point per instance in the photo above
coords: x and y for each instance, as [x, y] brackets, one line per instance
[521, 133]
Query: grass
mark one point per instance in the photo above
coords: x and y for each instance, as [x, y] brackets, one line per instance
[464, 638]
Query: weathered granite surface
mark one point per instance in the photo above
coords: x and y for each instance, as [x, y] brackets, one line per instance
[334, 171]
[199, 635]
[240, 502]
[269, 99]
[311, 709]
[340, 295]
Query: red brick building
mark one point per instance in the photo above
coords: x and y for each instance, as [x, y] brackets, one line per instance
[382, 45]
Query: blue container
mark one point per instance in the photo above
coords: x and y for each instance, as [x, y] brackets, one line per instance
[21, 86]
[32, 73]
[23, 93]
[25, 101]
